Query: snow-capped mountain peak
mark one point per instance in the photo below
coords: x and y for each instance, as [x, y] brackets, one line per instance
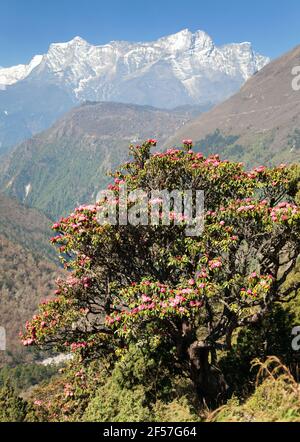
[75, 42]
[182, 68]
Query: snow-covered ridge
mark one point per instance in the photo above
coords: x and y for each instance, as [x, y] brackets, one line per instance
[13, 74]
[186, 67]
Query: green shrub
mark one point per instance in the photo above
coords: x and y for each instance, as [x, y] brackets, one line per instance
[113, 404]
[12, 407]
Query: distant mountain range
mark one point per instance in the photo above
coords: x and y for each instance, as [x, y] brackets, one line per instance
[260, 124]
[67, 164]
[180, 69]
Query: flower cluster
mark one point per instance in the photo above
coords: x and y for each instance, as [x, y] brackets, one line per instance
[73, 282]
[283, 212]
[187, 142]
[215, 263]
[76, 345]
[53, 314]
[258, 286]
[153, 299]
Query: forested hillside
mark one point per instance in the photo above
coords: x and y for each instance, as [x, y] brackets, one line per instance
[28, 269]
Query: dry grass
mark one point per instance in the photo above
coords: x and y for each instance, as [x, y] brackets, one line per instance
[276, 398]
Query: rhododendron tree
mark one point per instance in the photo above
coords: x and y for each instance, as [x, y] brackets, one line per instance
[148, 284]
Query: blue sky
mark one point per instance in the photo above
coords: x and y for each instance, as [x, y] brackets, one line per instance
[27, 27]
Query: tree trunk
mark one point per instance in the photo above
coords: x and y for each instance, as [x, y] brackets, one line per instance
[208, 380]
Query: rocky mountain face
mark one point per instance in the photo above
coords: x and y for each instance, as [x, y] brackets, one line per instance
[259, 124]
[68, 163]
[180, 69]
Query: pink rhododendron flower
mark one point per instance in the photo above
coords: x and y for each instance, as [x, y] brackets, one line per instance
[187, 142]
[214, 264]
[38, 402]
[187, 290]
